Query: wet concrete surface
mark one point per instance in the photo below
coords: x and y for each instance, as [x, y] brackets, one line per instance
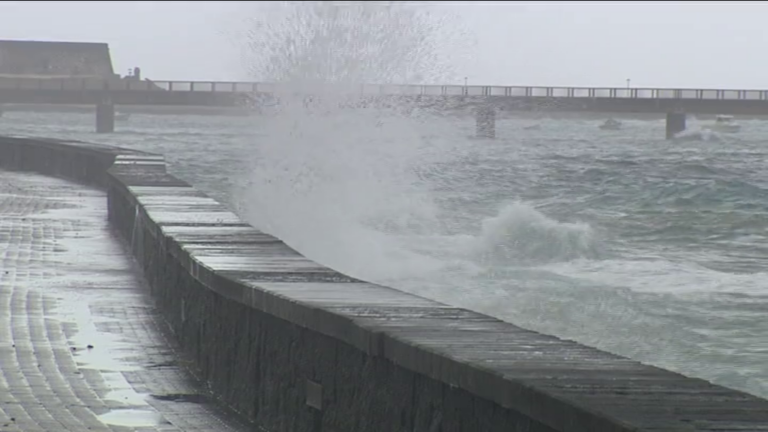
[81, 346]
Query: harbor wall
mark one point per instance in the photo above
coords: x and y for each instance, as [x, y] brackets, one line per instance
[295, 346]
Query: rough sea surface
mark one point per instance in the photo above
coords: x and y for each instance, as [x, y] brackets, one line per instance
[620, 240]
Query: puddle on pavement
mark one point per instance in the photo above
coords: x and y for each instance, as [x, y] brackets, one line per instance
[126, 396]
[99, 282]
[108, 352]
[135, 418]
[101, 358]
[121, 390]
[95, 339]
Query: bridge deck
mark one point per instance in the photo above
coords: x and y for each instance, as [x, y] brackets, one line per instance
[95, 91]
[66, 283]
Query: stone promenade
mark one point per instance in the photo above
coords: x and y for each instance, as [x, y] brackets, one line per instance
[80, 341]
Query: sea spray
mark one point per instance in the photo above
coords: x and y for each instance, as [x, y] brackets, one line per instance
[336, 174]
[343, 180]
[352, 43]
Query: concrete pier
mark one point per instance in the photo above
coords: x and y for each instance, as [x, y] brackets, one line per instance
[295, 346]
[675, 124]
[105, 118]
[485, 122]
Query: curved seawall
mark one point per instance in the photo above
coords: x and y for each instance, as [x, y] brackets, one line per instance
[296, 346]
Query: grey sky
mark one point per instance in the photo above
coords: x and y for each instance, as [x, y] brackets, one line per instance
[665, 44]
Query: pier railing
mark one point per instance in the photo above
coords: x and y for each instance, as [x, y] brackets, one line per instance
[74, 84]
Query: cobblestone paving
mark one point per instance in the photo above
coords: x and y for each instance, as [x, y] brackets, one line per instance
[80, 348]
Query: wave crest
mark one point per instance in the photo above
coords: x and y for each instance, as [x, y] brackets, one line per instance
[521, 235]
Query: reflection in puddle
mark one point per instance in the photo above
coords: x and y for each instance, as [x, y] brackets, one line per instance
[132, 418]
[127, 397]
[121, 390]
[94, 349]
[103, 359]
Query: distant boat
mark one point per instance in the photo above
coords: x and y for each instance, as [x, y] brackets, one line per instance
[122, 116]
[532, 127]
[724, 123]
[611, 124]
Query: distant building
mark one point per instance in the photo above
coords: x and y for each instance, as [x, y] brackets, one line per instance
[55, 59]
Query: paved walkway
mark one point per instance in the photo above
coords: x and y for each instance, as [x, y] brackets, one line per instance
[80, 348]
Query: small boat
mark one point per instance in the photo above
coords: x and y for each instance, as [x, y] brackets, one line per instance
[122, 116]
[724, 123]
[532, 127]
[611, 124]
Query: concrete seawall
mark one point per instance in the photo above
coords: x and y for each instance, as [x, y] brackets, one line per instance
[295, 346]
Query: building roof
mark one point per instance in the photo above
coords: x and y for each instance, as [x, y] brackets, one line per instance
[46, 58]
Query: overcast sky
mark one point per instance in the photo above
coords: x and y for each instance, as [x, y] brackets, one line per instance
[665, 44]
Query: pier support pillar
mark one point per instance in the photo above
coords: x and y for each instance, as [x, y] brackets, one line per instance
[485, 122]
[675, 123]
[105, 118]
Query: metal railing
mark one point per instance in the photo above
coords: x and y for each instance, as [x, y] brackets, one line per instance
[70, 84]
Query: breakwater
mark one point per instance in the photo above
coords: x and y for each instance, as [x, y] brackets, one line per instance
[296, 346]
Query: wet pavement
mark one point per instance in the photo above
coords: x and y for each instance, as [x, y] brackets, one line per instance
[80, 341]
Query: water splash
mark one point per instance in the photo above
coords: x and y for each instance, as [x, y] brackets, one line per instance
[347, 43]
[351, 183]
[334, 174]
[521, 235]
[696, 131]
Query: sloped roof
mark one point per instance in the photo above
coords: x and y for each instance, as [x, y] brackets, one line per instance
[76, 59]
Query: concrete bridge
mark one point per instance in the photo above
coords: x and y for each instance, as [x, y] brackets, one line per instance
[277, 342]
[75, 73]
[105, 94]
[117, 91]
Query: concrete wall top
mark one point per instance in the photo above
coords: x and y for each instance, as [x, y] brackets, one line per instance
[43, 58]
[562, 384]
